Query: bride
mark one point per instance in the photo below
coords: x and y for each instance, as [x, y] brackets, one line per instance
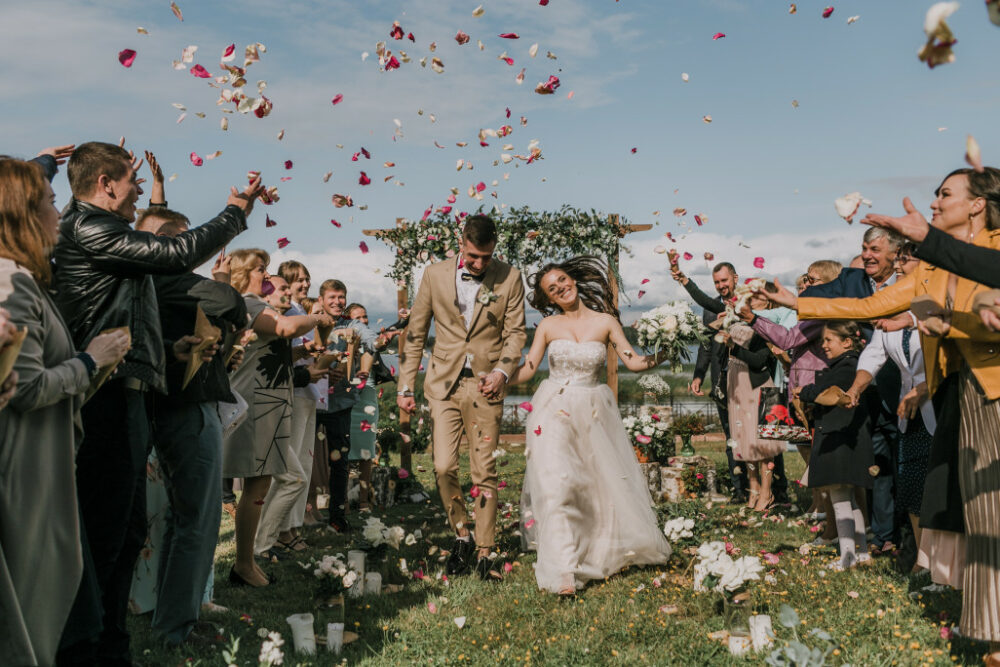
[585, 507]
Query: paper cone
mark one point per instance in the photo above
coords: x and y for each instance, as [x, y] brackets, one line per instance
[8, 355]
[931, 313]
[352, 350]
[326, 360]
[800, 411]
[322, 334]
[209, 335]
[105, 372]
[832, 396]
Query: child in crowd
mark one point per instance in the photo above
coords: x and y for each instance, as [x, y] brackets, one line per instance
[842, 457]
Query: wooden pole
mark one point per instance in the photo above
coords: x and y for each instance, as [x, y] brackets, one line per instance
[405, 452]
[613, 282]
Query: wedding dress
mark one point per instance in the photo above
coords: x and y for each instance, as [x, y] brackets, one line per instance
[585, 506]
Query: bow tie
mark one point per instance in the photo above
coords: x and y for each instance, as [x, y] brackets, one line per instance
[470, 276]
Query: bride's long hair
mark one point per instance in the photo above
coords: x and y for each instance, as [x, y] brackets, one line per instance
[592, 285]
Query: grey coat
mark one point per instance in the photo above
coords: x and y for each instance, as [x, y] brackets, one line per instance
[41, 561]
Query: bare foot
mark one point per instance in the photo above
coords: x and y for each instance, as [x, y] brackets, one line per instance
[254, 577]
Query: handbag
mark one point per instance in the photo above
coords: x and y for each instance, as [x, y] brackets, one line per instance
[232, 414]
[775, 421]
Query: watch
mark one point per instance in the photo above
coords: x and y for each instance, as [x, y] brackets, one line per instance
[404, 393]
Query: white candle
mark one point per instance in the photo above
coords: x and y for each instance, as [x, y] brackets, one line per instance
[302, 633]
[739, 644]
[334, 637]
[761, 632]
[373, 583]
[356, 561]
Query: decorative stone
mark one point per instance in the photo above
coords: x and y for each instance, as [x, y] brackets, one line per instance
[671, 484]
[652, 474]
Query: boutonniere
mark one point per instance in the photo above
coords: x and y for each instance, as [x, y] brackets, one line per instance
[486, 296]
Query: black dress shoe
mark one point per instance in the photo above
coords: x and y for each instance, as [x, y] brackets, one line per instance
[487, 569]
[236, 580]
[460, 558]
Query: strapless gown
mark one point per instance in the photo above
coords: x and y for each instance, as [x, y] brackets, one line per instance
[585, 506]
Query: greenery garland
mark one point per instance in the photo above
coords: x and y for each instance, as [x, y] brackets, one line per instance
[526, 239]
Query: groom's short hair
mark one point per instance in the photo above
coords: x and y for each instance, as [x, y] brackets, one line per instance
[724, 265]
[479, 230]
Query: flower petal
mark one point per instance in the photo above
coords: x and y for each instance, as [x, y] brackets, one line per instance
[828, 12]
[973, 155]
[718, 35]
[364, 248]
[282, 242]
[363, 179]
[200, 72]
[126, 57]
[758, 262]
[195, 160]
[509, 35]
[177, 11]
[337, 99]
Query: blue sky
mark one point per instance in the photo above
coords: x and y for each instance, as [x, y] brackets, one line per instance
[763, 172]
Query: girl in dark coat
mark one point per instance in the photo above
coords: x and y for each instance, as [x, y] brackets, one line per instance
[842, 456]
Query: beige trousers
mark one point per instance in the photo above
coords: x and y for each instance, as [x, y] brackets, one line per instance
[467, 410]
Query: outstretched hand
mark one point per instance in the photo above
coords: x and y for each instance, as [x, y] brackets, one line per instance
[913, 225]
[244, 200]
[60, 153]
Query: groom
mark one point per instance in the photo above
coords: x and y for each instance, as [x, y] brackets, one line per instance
[477, 304]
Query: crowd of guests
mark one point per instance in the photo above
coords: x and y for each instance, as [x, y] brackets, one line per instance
[134, 379]
[893, 366]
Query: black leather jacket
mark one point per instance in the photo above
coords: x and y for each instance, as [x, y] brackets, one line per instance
[102, 277]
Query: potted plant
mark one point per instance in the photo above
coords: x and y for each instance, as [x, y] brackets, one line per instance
[686, 426]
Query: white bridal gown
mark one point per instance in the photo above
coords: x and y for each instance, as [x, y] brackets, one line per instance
[585, 507]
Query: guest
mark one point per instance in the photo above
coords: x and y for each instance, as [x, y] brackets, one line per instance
[103, 282]
[257, 448]
[842, 453]
[9, 383]
[967, 207]
[334, 415]
[320, 476]
[187, 432]
[878, 250]
[725, 279]
[800, 283]
[43, 557]
[275, 532]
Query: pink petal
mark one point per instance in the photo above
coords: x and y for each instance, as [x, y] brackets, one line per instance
[718, 35]
[396, 32]
[410, 37]
[363, 179]
[368, 156]
[548, 87]
[365, 425]
[644, 439]
[200, 72]
[508, 112]
[510, 35]
[644, 281]
[827, 12]
[337, 99]
[126, 57]
[758, 262]
[364, 248]
[526, 406]
[697, 218]
[480, 186]
[195, 160]
[403, 473]
[288, 164]
[501, 484]
[688, 256]
[543, 3]
[529, 523]
[392, 64]
[228, 53]
[642, 293]
[268, 222]
[432, 608]
[462, 38]
[335, 223]
[282, 242]
[508, 60]
[709, 256]
[474, 491]
[177, 11]
[634, 151]
[538, 431]
[451, 199]
[354, 158]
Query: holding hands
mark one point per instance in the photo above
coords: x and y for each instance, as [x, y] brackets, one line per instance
[491, 386]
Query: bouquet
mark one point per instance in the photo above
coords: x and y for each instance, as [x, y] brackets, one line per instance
[651, 435]
[378, 535]
[678, 529]
[671, 327]
[716, 570]
[333, 573]
[654, 384]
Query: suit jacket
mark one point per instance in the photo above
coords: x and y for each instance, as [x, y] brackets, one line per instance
[712, 356]
[965, 259]
[494, 339]
[889, 346]
[967, 339]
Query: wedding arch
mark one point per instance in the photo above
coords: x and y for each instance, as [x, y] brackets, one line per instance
[527, 239]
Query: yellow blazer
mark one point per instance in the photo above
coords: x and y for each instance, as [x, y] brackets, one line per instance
[494, 339]
[967, 339]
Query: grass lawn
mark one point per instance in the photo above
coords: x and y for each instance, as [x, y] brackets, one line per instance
[868, 612]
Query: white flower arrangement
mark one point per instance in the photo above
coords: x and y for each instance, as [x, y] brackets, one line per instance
[650, 435]
[486, 296]
[333, 572]
[270, 650]
[377, 533]
[716, 570]
[654, 384]
[678, 529]
[672, 327]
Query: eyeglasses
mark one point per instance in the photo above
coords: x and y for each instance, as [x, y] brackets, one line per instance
[812, 280]
[905, 259]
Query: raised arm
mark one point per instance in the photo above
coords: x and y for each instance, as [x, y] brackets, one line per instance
[270, 323]
[964, 259]
[889, 301]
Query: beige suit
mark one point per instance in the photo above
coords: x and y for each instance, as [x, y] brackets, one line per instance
[493, 340]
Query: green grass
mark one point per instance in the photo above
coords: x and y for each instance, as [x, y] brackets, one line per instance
[868, 611]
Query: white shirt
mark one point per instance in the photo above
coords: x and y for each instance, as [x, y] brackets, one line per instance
[310, 390]
[885, 346]
[467, 291]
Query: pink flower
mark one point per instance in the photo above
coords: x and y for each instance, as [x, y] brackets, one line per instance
[644, 439]
[200, 72]
[507, 567]
[392, 64]
[396, 32]
[945, 632]
[688, 256]
[480, 186]
[529, 523]
[335, 223]
[126, 57]
[501, 485]
[474, 491]
[365, 425]
[771, 558]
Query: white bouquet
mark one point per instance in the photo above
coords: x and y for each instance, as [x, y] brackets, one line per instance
[333, 572]
[716, 570]
[671, 327]
[654, 384]
[678, 529]
[377, 533]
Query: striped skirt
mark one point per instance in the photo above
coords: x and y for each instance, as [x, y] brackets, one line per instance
[979, 476]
